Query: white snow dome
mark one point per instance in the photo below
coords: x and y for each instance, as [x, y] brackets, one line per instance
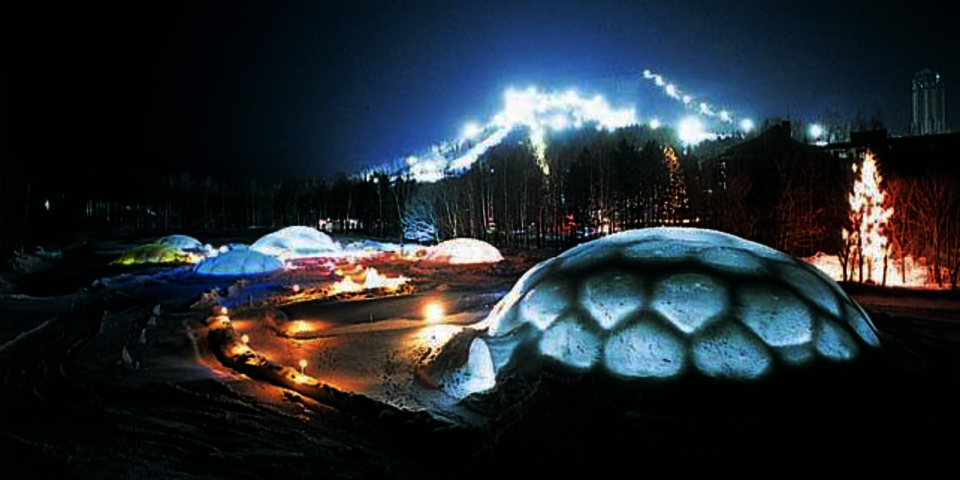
[239, 261]
[296, 242]
[181, 242]
[463, 251]
[666, 302]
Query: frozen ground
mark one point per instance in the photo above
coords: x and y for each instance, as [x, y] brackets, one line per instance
[72, 404]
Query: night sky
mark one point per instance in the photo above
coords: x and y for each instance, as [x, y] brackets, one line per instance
[273, 89]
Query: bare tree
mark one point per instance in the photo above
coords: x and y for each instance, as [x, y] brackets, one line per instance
[735, 215]
[811, 207]
[930, 215]
[420, 218]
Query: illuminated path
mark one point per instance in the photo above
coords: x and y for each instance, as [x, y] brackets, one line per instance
[370, 347]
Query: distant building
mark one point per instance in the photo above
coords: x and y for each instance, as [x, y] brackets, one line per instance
[929, 104]
[903, 156]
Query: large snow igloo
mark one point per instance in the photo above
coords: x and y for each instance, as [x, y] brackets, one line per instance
[296, 242]
[666, 302]
[463, 251]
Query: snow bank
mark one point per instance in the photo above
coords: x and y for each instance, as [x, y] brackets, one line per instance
[463, 251]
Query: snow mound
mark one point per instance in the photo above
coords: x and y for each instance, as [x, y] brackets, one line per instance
[241, 261]
[296, 242]
[181, 242]
[153, 254]
[668, 302]
[463, 251]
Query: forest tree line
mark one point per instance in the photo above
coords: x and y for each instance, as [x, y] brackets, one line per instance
[768, 188]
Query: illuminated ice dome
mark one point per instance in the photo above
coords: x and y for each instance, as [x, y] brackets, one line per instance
[153, 253]
[239, 261]
[296, 242]
[666, 302]
[463, 251]
[181, 242]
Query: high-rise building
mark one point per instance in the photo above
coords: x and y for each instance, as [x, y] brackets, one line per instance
[929, 104]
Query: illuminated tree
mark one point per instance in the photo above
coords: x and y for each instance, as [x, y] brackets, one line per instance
[866, 236]
[675, 197]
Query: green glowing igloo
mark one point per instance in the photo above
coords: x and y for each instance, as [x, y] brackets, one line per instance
[666, 302]
[153, 254]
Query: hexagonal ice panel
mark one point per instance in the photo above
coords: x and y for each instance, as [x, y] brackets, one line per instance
[535, 275]
[775, 315]
[834, 342]
[645, 350]
[503, 318]
[700, 235]
[611, 296]
[730, 352]
[570, 343]
[663, 251]
[476, 375]
[811, 287]
[795, 354]
[733, 260]
[544, 303]
[590, 257]
[862, 325]
[690, 300]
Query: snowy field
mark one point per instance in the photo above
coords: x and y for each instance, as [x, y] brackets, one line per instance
[113, 371]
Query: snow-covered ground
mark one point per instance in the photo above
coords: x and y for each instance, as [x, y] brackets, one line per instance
[108, 372]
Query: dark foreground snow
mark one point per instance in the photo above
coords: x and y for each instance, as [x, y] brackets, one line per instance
[73, 405]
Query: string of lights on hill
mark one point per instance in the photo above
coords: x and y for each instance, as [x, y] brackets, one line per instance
[539, 111]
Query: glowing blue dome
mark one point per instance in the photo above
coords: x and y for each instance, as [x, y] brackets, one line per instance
[239, 261]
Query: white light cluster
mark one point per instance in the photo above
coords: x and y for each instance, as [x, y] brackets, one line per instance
[675, 93]
[690, 131]
[702, 108]
[429, 169]
[531, 108]
[471, 131]
[540, 111]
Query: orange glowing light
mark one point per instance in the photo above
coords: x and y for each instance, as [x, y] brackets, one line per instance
[870, 220]
[303, 365]
[245, 339]
[302, 379]
[223, 310]
[300, 326]
[433, 313]
[867, 244]
[371, 280]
